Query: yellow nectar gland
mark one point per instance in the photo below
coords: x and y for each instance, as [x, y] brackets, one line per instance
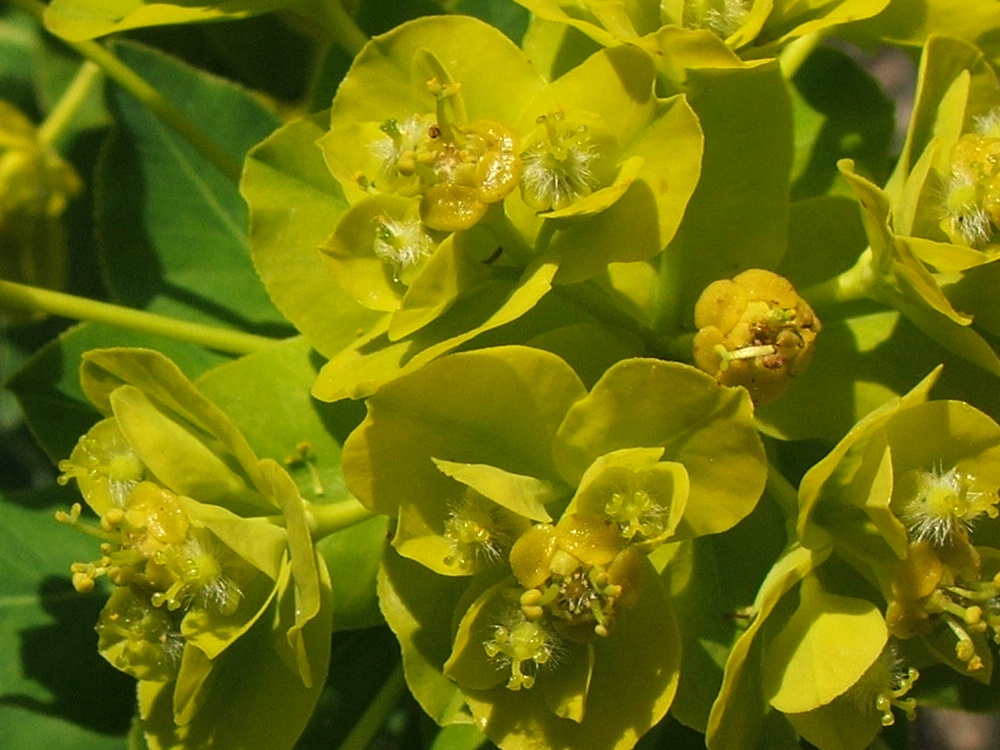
[941, 587]
[150, 547]
[457, 168]
[522, 645]
[579, 596]
[944, 505]
[559, 168]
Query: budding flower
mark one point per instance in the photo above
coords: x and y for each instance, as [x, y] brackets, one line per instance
[754, 331]
[35, 186]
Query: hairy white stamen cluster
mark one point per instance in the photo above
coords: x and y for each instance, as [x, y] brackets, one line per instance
[728, 19]
[963, 212]
[558, 179]
[403, 243]
[943, 504]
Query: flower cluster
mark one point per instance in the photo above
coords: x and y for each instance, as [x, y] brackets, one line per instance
[534, 537]
[189, 543]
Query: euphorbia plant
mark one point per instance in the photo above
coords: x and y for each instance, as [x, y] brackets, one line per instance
[571, 368]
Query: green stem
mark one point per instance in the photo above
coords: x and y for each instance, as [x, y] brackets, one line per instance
[329, 518]
[679, 347]
[341, 27]
[797, 52]
[125, 77]
[508, 236]
[782, 491]
[378, 711]
[601, 304]
[857, 282]
[23, 297]
[69, 103]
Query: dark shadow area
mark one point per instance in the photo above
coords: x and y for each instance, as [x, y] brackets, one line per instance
[361, 662]
[62, 656]
[858, 121]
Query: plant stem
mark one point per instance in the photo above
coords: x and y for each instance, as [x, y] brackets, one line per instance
[14, 296]
[129, 80]
[69, 103]
[341, 27]
[328, 518]
[857, 282]
[378, 711]
[782, 491]
[797, 52]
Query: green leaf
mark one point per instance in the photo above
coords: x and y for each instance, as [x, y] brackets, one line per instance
[739, 712]
[253, 699]
[23, 728]
[173, 228]
[791, 20]
[713, 581]
[416, 604]
[48, 386]
[294, 203]
[913, 23]
[521, 494]
[704, 426]
[374, 359]
[823, 649]
[737, 217]
[86, 19]
[836, 471]
[131, 380]
[49, 660]
[497, 406]
[850, 121]
[353, 556]
[275, 383]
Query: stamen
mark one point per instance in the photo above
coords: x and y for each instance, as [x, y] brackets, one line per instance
[637, 513]
[558, 170]
[945, 503]
[522, 646]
